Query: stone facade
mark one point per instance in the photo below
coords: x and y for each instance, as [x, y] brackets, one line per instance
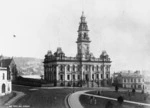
[129, 79]
[82, 69]
[5, 82]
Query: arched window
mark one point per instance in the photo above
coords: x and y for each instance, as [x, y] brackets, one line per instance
[97, 68]
[3, 88]
[73, 67]
[61, 77]
[61, 68]
[93, 76]
[86, 67]
[73, 77]
[68, 67]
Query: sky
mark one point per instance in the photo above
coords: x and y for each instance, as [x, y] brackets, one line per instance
[121, 27]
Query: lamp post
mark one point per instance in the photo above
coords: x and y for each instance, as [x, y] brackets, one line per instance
[103, 61]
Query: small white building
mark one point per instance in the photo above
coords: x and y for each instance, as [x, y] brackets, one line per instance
[129, 79]
[5, 82]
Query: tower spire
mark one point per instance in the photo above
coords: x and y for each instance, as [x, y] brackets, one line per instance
[83, 41]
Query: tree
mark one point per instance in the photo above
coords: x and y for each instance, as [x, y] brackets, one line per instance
[120, 99]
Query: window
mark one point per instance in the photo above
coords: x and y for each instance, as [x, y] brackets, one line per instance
[61, 68]
[93, 68]
[124, 80]
[97, 76]
[131, 80]
[97, 68]
[68, 68]
[3, 76]
[78, 67]
[86, 67]
[68, 77]
[107, 76]
[73, 77]
[101, 76]
[3, 88]
[139, 80]
[78, 76]
[73, 68]
[134, 80]
[93, 76]
[102, 67]
[84, 35]
[8, 87]
[139, 86]
[61, 77]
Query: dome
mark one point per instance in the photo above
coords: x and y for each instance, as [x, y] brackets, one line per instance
[104, 55]
[91, 55]
[59, 52]
[49, 53]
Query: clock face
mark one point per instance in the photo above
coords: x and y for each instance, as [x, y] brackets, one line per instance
[83, 48]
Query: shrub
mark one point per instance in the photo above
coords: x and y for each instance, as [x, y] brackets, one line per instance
[120, 99]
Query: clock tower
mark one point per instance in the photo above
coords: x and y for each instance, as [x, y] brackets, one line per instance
[83, 41]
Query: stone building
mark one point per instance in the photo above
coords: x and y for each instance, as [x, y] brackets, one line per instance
[5, 82]
[10, 64]
[129, 79]
[83, 69]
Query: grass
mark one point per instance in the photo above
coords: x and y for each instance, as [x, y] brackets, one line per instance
[138, 97]
[100, 103]
[44, 98]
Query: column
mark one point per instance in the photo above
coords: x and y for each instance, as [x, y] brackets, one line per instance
[104, 71]
[90, 74]
[57, 75]
[65, 75]
[82, 72]
[65, 72]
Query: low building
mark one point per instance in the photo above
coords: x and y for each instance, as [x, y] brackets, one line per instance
[129, 79]
[10, 64]
[5, 82]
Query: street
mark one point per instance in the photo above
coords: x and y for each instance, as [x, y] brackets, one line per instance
[42, 98]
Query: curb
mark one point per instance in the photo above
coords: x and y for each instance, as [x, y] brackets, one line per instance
[67, 101]
[14, 99]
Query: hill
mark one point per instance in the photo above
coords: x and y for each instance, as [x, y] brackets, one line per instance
[29, 66]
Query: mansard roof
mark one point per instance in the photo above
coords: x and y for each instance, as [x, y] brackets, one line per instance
[5, 62]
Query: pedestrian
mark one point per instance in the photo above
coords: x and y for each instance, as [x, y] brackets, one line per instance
[109, 105]
[133, 91]
[98, 92]
[94, 100]
[91, 99]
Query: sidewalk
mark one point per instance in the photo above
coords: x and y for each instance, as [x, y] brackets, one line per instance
[74, 102]
[14, 99]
